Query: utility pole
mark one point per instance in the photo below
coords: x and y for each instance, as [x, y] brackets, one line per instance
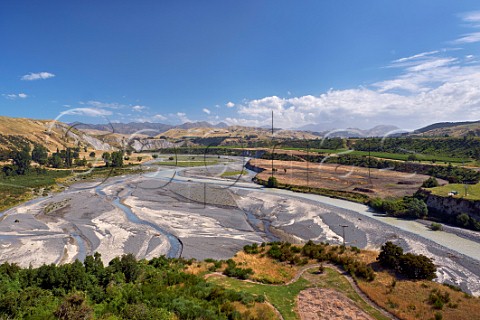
[273, 148]
[369, 161]
[308, 166]
[343, 233]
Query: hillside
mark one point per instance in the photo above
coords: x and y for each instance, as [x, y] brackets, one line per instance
[51, 134]
[450, 129]
[233, 135]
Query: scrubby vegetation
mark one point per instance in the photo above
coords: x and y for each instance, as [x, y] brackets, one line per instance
[407, 207]
[322, 252]
[409, 265]
[125, 289]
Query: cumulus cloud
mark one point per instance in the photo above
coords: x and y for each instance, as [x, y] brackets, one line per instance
[37, 76]
[13, 96]
[230, 104]
[206, 110]
[138, 108]
[429, 88]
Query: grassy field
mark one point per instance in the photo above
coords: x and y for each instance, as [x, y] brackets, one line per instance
[233, 173]
[473, 191]
[404, 157]
[387, 155]
[14, 190]
[282, 297]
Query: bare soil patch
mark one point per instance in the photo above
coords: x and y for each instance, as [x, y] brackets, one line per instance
[373, 182]
[317, 303]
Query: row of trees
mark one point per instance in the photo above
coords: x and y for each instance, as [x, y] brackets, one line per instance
[406, 207]
[114, 159]
[67, 158]
[466, 147]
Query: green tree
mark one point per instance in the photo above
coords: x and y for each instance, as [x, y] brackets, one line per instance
[92, 154]
[415, 207]
[21, 160]
[431, 182]
[106, 158]
[74, 307]
[272, 182]
[417, 266]
[117, 159]
[390, 255]
[463, 220]
[40, 154]
[55, 161]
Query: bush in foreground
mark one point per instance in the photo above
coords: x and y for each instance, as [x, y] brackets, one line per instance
[410, 265]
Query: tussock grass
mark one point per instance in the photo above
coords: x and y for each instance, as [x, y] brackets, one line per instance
[265, 269]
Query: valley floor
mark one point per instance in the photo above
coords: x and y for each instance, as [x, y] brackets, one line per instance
[198, 214]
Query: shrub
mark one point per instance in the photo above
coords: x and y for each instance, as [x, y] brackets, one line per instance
[390, 255]
[436, 226]
[417, 266]
[431, 182]
[233, 271]
[251, 249]
[410, 265]
[272, 182]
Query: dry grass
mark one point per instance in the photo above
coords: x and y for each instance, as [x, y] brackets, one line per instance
[265, 269]
[409, 299]
[406, 299]
[262, 311]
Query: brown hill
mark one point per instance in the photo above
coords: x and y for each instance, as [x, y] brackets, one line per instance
[234, 134]
[49, 133]
[450, 129]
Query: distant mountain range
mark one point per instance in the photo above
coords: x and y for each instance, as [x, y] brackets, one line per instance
[377, 131]
[156, 128]
[147, 128]
[53, 135]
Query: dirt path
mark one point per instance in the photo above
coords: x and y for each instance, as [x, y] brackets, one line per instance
[312, 299]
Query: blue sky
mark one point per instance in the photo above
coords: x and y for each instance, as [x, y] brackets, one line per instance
[316, 64]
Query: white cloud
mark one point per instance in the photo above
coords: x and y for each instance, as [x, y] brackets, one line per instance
[416, 56]
[13, 96]
[138, 108]
[472, 20]
[432, 86]
[105, 105]
[37, 76]
[230, 104]
[206, 110]
[469, 38]
[441, 89]
[473, 16]
[431, 64]
[86, 112]
[159, 117]
[183, 117]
